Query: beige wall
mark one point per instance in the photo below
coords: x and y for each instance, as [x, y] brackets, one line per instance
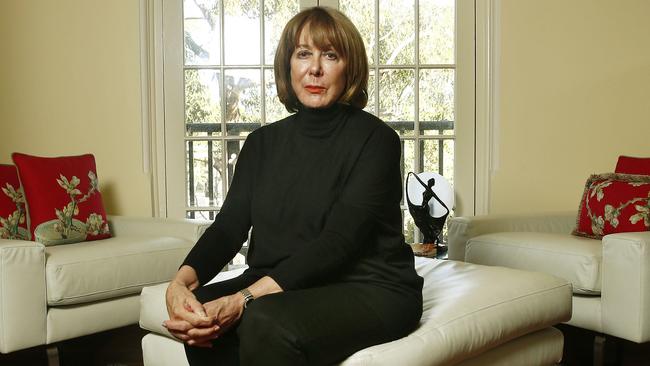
[70, 84]
[574, 93]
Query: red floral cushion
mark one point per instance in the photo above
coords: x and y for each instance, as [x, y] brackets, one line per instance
[13, 222]
[632, 165]
[614, 203]
[64, 204]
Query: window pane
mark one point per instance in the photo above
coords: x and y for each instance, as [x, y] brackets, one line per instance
[204, 173]
[362, 14]
[436, 101]
[437, 31]
[234, 147]
[448, 160]
[243, 101]
[437, 155]
[396, 99]
[201, 215]
[430, 155]
[408, 160]
[276, 15]
[202, 102]
[409, 227]
[396, 32]
[242, 32]
[370, 107]
[202, 26]
[275, 110]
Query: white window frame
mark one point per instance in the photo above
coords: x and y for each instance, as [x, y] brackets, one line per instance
[476, 116]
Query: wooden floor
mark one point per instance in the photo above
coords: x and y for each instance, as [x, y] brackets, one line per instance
[578, 349]
[121, 347]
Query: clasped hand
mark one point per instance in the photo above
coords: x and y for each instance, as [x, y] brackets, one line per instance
[198, 324]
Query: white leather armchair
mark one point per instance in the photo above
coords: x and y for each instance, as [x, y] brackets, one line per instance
[610, 277]
[54, 293]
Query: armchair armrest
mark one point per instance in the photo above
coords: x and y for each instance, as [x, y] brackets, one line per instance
[22, 295]
[180, 228]
[461, 229]
[626, 286]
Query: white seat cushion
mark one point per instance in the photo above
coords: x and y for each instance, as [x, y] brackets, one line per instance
[468, 309]
[543, 347]
[576, 259]
[105, 269]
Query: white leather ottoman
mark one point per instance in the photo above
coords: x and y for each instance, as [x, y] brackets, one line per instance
[473, 315]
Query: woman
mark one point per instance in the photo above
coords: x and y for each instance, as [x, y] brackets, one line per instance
[329, 272]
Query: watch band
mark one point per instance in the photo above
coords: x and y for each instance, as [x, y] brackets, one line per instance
[248, 297]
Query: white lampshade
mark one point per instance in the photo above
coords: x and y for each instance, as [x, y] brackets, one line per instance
[442, 188]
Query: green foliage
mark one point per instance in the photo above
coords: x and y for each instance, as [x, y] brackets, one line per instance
[396, 32]
[197, 101]
[250, 8]
[362, 14]
[397, 95]
[437, 32]
[243, 96]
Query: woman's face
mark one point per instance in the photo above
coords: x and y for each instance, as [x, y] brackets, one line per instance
[317, 75]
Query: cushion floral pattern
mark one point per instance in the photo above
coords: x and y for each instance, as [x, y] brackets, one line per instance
[13, 224]
[614, 203]
[64, 204]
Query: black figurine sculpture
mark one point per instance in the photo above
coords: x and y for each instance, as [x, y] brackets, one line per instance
[430, 226]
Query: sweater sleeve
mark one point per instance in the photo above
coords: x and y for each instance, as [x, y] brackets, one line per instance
[225, 237]
[369, 196]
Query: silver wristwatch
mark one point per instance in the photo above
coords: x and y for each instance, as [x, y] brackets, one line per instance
[248, 297]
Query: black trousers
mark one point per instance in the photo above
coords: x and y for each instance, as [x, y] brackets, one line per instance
[316, 326]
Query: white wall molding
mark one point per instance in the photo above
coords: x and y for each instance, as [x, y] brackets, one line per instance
[487, 113]
[144, 86]
[152, 103]
[465, 109]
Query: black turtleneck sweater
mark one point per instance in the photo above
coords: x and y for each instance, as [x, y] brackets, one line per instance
[321, 190]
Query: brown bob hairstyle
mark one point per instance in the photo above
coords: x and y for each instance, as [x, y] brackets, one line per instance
[329, 28]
